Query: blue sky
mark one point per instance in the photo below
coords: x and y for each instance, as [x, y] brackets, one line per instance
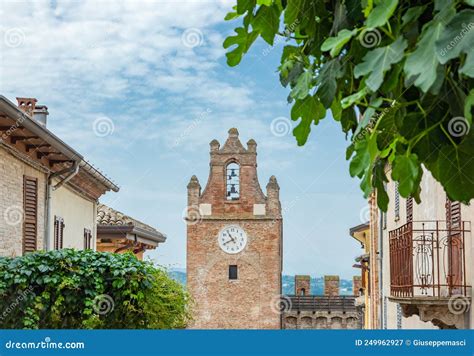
[140, 88]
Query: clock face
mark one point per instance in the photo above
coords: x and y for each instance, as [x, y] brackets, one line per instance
[232, 239]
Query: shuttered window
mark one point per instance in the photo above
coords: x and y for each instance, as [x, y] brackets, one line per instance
[30, 213]
[409, 209]
[58, 232]
[397, 202]
[87, 239]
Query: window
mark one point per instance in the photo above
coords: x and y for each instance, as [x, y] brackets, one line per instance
[30, 213]
[233, 181]
[409, 209]
[58, 232]
[87, 239]
[232, 272]
[302, 291]
[397, 202]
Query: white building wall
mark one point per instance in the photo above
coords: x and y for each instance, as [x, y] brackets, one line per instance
[78, 213]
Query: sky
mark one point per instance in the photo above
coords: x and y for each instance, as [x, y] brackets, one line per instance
[140, 88]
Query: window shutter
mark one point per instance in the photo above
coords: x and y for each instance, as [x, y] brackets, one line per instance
[30, 213]
[409, 209]
[58, 232]
[397, 202]
[87, 239]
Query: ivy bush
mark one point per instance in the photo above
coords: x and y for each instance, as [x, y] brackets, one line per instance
[88, 290]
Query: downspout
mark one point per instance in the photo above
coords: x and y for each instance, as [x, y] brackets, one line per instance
[71, 172]
[380, 258]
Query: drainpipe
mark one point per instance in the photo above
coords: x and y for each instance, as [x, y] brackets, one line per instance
[380, 258]
[71, 172]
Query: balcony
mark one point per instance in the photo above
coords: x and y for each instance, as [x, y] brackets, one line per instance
[428, 270]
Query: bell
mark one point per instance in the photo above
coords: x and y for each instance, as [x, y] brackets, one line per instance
[230, 177]
[233, 190]
[232, 173]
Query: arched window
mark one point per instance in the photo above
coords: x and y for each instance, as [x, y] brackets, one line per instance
[233, 181]
[302, 291]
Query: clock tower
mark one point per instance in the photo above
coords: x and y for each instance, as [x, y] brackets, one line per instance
[234, 242]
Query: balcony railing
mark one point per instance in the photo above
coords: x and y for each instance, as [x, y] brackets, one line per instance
[428, 259]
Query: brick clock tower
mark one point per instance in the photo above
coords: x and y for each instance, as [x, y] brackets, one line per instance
[234, 242]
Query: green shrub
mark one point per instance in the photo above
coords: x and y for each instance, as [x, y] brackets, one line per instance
[86, 289]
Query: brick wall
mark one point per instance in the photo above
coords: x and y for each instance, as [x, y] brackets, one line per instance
[356, 285]
[331, 285]
[302, 285]
[12, 170]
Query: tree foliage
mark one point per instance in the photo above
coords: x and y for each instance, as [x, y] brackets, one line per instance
[86, 289]
[397, 75]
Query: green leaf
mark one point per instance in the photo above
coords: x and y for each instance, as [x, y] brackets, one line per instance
[303, 85]
[231, 16]
[381, 13]
[405, 170]
[457, 38]
[412, 14]
[423, 63]
[354, 98]
[310, 110]
[361, 159]
[456, 172]
[378, 61]
[326, 81]
[266, 22]
[469, 104]
[293, 9]
[265, 2]
[244, 5]
[243, 40]
[335, 44]
[379, 181]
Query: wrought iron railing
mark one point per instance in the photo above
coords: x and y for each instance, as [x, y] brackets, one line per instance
[428, 259]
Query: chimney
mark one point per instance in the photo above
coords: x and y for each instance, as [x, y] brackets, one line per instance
[331, 286]
[302, 285]
[37, 112]
[27, 105]
[40, 114]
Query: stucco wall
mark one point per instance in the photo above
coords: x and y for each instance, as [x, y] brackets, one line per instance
[12, 170]
[78, 213]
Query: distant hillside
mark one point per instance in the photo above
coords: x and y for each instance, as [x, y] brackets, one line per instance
[288, 283]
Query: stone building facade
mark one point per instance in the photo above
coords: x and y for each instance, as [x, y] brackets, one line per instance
[234, 242]
[329, 311]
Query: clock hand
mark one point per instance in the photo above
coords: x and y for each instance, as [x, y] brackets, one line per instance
[233, 239]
